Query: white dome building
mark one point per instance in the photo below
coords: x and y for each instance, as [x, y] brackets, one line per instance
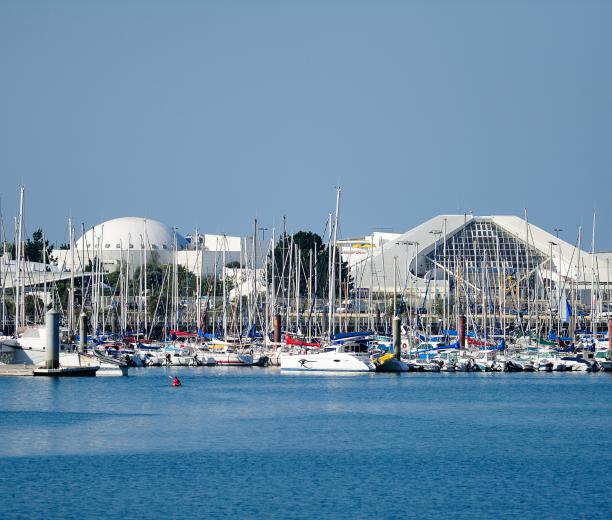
[127, 240]
[133, 240]
[121, 234]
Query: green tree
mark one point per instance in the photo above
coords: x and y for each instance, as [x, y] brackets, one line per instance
[34, 309]
[308, 245]
[33, 248]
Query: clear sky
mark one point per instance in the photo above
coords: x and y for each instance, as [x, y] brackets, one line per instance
[207, 114]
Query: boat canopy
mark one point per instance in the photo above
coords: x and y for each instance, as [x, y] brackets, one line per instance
[347, 335]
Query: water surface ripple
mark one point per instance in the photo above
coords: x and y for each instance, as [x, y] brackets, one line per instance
[256, 443]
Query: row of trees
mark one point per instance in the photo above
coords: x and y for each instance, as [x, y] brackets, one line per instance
[32, 248]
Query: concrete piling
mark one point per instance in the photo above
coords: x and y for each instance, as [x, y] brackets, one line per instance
[461, 331]
[277, 328]
[53, 339]
[397, 337]
[82, 332]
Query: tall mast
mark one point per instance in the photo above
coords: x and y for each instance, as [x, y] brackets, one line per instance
[332, 286]
[198, 282]
[83, 267]
[243, 264]
[298, 260]
[3, 238]
[224, 290]
[310, 257]
[18, 295]
[71, 304]
[528, 274]
[140, 284]
[175, 284]
[272, 303]
[254, 312]
[370, 310]
[593, 295]
[44, 259]
[145, 245]
[330, 293]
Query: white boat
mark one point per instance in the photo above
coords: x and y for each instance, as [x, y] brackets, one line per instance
[344, 357]
[604, 358]
[29, 347]
[519, 364]
[576, 363]
[183, 356]
[548, 360]
[225, 354]
[107, 366]
[227, 358]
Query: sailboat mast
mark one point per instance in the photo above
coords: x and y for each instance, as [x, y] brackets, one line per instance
[72, 246]
[593, 295]
[330, 293]
[44, 259]
[145, 294]
[18, 309]
[273, 269]
[83, 267]
[198, 282]
[254, 312]
[528, 274]
[334, 245]
[224, 290]
[370, 309]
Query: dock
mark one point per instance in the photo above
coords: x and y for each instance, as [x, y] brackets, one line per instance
[31, 370]
[17, 370]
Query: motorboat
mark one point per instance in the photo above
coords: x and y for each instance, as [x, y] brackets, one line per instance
[389, 363]
[350, 356]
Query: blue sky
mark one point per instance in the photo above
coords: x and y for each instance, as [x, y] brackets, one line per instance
[209, 114]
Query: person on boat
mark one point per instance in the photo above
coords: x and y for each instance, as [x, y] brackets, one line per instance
[176, 381]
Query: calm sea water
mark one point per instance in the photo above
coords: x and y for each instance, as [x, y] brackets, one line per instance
[255, 443]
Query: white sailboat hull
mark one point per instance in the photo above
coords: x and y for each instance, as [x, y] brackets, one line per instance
[105, 368]
[232, 359]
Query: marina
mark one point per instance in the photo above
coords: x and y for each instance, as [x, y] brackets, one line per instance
[269, 260]
[489, 294]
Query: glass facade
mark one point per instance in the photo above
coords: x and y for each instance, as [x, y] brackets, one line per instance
[486, 257]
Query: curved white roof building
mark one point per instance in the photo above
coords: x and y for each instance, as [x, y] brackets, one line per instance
[122, 234]
[476, 250]
[130, 241]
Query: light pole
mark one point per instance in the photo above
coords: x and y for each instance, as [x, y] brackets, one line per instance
[263, 233]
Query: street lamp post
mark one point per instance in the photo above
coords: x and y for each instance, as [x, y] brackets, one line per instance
[263, 233]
